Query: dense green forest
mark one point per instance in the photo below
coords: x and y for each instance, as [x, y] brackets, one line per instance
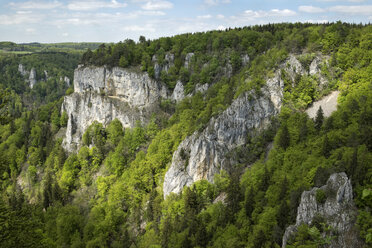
[7, 47]
[109, 194]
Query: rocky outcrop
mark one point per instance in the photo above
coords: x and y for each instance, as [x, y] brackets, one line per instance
[328, 104]
[167, 63]
[245, 59]
[103, 94]
[315, 69]
[294, 67]
[178, 92]
[22, 70]
[67, 81]
[31, 75]
[32, 78]
[337, 210]
[202, 155]
[188, 60]
[136, 89]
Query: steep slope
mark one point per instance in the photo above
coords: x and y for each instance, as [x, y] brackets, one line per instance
[203, 154]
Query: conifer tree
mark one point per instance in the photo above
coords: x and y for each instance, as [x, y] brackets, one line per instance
[319, 118]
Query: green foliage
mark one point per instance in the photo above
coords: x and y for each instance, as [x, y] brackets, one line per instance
[109, 194]
[320, 196]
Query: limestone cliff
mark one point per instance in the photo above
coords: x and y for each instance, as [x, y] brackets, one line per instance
[338, 211]
[103, 94]
[202, 155]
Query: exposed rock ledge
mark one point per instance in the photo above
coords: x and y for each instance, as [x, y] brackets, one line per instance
[338, 211]
[202, 155]
[103, 94]
[135, 88]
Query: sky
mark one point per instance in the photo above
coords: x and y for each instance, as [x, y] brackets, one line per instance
[49, 21]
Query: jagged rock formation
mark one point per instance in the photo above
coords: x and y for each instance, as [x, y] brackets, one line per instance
[67, 81]
[328, 104]
[103, 94]
[32, 78]
[31, 75]
[22, 70]
[178, 92]
[167, 63]
[202, 155]
[245, 59]
[188, 60]
[338, 211]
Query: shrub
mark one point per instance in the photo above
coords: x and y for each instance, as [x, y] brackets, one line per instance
[320, 196]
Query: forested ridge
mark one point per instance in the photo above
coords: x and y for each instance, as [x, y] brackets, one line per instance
[109, 193]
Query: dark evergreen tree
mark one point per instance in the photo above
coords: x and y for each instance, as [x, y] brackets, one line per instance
[249, 202]
[319, 118]
[284, 137]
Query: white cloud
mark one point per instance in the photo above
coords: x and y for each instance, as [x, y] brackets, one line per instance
[15, 19]
[157, 5]
[216, 2]
[102, 19]
[30, 30]
[310, 9]
[35, 5]
[95, 4]
[221, 27]
[316, 21]
[204, 17]
[65, 34]
[137, 28]
[352, 10]
[220, 16]
[272, 13]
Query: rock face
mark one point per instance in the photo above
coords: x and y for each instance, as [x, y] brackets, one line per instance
[188, 60]
[31, 75]
[32, 78]
[67, 81]
[22, 70]
[167, 63]
[178, 92]
[202, 155]
[338, 211]
[103, 94]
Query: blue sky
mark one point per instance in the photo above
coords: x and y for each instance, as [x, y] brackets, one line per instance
[115, 20]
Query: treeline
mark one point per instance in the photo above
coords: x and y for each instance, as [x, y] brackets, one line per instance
[216, 49]
[8, 46]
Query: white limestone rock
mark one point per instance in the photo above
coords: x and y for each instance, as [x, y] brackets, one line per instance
[67, 81]
[22, 70]
[202, 155]
[32, 78]
[137, 89]
[103, 94]
[245, 59]
[178, 92]
[338, 211]
[188, 60]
